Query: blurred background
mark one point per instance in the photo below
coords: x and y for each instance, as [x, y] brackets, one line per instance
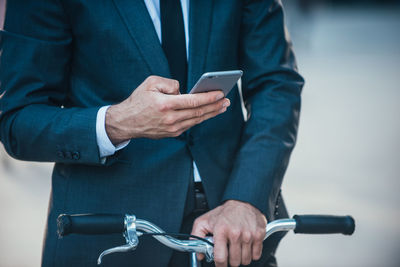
[347, 156]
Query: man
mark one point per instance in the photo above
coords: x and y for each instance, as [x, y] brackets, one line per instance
[99, 88]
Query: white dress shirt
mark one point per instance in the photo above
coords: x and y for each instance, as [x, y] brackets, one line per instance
[104, 143]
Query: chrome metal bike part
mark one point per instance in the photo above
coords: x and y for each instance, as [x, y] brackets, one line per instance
[130, 235]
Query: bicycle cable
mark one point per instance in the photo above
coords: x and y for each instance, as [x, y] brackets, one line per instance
[180, 235]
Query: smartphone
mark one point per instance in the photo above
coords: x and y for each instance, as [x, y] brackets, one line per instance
[219, 80]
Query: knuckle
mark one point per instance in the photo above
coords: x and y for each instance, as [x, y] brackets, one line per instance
[246, 261]
[151, 79]
[260, 234]
[234, 262]
[169, 120]
[246, 236]
[199, 113]
[173, 130]
[257, 256]
[211, 98]
[176, 84]
[198, 221]
[162, 106]
[219, 259]
[234, 234]
[192, 102]
[221, 229]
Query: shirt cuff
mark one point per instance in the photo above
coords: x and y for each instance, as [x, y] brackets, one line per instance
[106, 147]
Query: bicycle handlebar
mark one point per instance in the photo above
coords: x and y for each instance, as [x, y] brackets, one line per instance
[317, 224]
[90, 224]
[133, 228]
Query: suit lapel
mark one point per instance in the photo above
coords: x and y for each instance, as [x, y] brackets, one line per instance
[141, 28]
[200, 16]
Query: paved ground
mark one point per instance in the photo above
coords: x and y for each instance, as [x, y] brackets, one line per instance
[346, 160]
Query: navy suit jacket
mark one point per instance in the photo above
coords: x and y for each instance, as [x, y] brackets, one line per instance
[62, 60]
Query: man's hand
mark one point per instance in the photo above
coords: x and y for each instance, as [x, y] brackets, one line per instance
[157, 110]
[238, 229]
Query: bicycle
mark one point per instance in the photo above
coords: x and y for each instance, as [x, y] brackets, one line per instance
[133, 228]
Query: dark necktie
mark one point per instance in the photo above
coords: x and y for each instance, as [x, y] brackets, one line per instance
[173, 40]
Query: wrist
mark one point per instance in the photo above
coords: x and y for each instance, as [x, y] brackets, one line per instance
[114, 125]
[235, 202]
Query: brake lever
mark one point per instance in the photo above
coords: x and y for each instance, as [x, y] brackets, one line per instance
[131, 237]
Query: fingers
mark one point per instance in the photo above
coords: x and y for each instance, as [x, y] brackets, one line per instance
[186, 124]
[195, 100]
[199, 112]
[257, 246]
[246, 248]
[171, 119]
[235, 253]
[256, 251]
[245, 231]
[236, 248]
[220, 250]
[163, 85]
[181, 120]
[200, 228]
[240, 242]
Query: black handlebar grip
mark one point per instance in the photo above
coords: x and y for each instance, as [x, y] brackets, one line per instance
[324, 224]
[90, 224]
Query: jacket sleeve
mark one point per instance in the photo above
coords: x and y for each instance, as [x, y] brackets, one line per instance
[35, 122]
[271, 91]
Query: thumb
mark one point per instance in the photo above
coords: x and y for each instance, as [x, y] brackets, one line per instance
[170, 87]
[201, 228]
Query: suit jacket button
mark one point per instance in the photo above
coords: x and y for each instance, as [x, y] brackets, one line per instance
[60, 154]
[76, 155]
[68, 155]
